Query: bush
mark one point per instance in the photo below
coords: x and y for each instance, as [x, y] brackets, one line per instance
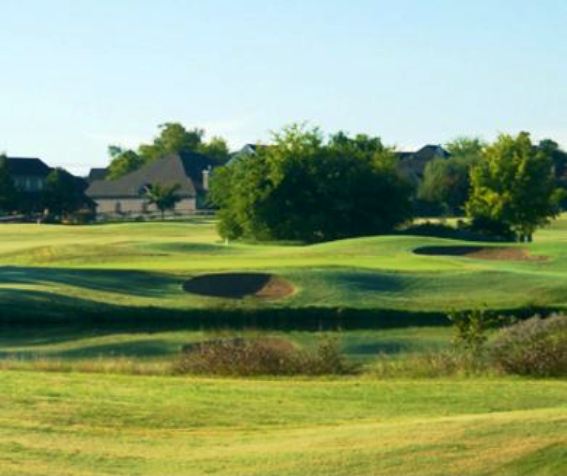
[535, 347]
[261, 356]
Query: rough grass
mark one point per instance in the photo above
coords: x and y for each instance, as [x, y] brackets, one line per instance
[74, 424]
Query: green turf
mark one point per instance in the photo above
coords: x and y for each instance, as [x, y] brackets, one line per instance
[142, 265]
[105, 423]
[78, 424]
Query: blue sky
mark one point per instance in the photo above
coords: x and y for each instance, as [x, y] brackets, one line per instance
[78, 75]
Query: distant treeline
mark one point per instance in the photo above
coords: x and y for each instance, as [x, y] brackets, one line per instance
[305, 186]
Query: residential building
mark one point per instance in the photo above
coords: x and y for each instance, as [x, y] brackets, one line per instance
[127, 195]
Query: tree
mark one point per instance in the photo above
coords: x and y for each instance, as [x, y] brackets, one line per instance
[559, 159]
[305, 188]
[8, 191]
[216, 149]
[164, 197]
[173, 138]
[469, 149]
[65, 194]
[514, 186]
[123, 162]
[446, 182]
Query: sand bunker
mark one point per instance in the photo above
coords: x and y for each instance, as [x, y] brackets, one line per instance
[239, 285]
[501, 253]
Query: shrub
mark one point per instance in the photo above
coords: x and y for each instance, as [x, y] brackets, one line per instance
[535, 347]
[470, 331]
[261, 356]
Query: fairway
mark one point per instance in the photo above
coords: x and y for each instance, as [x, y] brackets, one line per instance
[79, 424]
[111, 269]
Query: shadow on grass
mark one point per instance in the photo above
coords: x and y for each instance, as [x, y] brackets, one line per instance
[361, 281]
[137, 283]
[131, 348]
[20, 307]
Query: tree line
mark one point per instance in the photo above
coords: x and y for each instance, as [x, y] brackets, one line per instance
[307, 187]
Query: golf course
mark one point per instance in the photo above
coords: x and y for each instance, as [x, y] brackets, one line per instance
[124, 267]
[87, 389]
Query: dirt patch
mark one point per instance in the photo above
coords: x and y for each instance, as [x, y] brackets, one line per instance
[498, 253]
[239, 285]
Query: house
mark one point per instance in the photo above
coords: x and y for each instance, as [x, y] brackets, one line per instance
[29, 175]
[97, 174]
[126, 195]
[246, 151]
[412, 164]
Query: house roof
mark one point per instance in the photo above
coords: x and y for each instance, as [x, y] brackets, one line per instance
[246, 151]
[412, 164]
[27, 166]
[97, 174]
[426, 153]
[185, 169]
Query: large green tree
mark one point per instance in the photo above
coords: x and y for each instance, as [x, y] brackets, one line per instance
[446, 182]
[514, 186]
[64, 194]
[305, 188]
[123, 161]
[8, 191]
[559, 159]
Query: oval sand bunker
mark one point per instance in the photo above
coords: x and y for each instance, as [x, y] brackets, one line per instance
[502, 253]
[239, 285]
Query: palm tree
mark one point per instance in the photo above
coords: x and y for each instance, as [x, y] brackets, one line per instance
[164, 197]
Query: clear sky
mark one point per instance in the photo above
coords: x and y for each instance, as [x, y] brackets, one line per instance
[78, 75]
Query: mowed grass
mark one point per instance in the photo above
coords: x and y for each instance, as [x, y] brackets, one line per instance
[108, 422]
[74, 424]
[45, 268]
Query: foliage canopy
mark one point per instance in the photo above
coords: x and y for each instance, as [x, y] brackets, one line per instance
[305, 188]
[173, 138]
[514, 185]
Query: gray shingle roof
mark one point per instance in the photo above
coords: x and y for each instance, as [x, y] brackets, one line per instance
[27, 166]
[185, 169]
[97, 174]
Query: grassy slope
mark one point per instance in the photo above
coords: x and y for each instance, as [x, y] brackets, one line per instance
[76, 424]
[131, 265]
